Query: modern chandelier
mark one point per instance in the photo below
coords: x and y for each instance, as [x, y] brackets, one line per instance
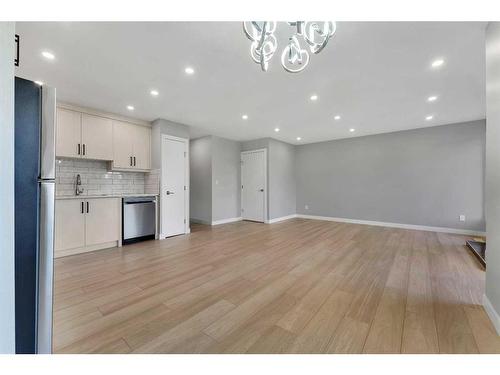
[294, 58]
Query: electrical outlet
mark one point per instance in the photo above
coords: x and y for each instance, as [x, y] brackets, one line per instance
[461, 218]
[306, 207]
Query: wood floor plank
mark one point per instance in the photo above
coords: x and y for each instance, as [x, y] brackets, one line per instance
[302, 286]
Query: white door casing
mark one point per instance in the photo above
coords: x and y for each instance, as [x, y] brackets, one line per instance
[174, 199]
[254, 185]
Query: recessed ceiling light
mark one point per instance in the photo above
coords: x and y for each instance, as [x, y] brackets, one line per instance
[352, 130]
[189, 70]
[437, 63]
[130, 107]
[276, 129]
[314, 97]
[39, 83]
[429, 118]
[154, 93]
[337, 117]
[48, 55]
[244, 117]
[432, 98]
[298, 138]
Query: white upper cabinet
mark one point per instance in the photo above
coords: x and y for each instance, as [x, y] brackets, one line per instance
[97, 137]
[69, 133]
[82, 135]
[123, 145]
[142, 147]
[131, 146]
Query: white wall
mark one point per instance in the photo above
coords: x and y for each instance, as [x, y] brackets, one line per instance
[493, 172]
[7, 322]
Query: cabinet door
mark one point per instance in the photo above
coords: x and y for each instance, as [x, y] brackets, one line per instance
[70, 224]
[69, 134]
[142, 147]
[102, 220]
[123, 144]
[97, 137]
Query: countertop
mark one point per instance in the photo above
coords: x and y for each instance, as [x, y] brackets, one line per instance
[104, 196]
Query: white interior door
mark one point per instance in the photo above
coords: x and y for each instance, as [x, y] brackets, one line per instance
[174, 185]
[253, 185]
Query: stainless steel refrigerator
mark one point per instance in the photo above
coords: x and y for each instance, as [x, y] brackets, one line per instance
[35, 126]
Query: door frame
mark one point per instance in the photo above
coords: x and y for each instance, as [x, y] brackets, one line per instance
[264, 150]
[165, 137]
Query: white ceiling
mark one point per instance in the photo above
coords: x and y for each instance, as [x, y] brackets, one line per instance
[376, 76]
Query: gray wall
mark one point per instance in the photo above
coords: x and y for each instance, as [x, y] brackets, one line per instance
[493, 163]
[7, 323]
[423, 177]
[282, 184]
[226, 190]
[200, 169]
[281, 196]
[159, 127]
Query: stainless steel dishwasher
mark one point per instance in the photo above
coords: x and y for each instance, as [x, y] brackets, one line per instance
[139, 219]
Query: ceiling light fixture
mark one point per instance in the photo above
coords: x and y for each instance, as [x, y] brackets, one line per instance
[244, 117]
[189, 70]
[337, 117]
[48, 55]
[314, 97]
[429, 118]
[352, 130]
[276, 129]
[437, 63]
[39, 83]
[298, 138]
[130, 107]
[432, 98]
[294, 58]
[154, 93]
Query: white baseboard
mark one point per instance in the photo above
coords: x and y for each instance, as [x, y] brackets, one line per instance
[225, 221]
[492, 314]
[395, 225]
[282, 218]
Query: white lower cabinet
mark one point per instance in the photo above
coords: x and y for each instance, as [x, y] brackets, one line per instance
[86, 225]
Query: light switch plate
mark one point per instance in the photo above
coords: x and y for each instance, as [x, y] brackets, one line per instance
[462, 218]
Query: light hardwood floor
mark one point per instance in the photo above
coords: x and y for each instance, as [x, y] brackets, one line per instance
[300, 286]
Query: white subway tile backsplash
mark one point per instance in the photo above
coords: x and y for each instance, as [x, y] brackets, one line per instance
[96, 179]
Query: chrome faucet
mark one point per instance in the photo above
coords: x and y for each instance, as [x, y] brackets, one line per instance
[79, 189]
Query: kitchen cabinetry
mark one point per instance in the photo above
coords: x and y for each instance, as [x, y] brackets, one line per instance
[80, 135]
[84, 225]
[97, 137]
[69, 133]
[131, 146]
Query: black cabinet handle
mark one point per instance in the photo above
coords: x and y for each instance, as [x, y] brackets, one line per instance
[131, 164]
[84, 149]
[82, 207]
[79, 149]
[134, 161]
[87, 206]
[16, 59]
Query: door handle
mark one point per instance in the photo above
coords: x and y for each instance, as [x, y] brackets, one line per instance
[131, 162]
[170, 192]
[79, 150]
[87, 206]
[84, 149]
[134, 162]
[82, 207]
